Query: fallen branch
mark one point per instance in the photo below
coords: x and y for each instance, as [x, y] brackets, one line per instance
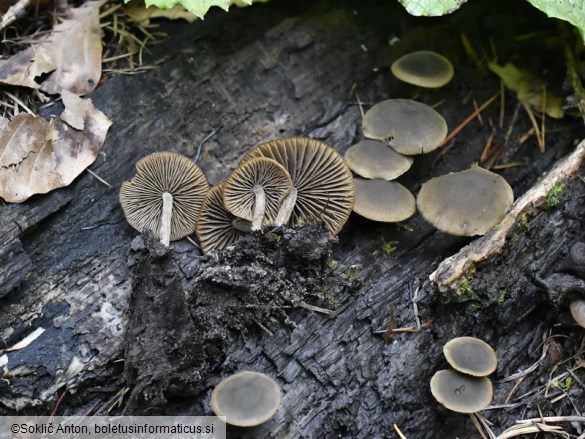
[451, 271]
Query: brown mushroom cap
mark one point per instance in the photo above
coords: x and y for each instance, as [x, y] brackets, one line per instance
[323, 182]
[375, 159]
[465, 203]
[246, 399]
[461, 393]
[239, 189]
[423, 68]
[158, 173]
[577, 308]
[215, 228]
[383, 200]
[409, 127]
[471, 356]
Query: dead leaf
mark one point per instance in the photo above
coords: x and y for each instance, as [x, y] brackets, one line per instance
[530, 88]
[37, 156]
[73, 53]
[142, 15]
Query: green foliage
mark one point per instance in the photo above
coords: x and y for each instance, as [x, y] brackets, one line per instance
[198, 7]
[565, 384]
[502, 297]
[387, 247]
[568, 10]
[465, 290]
[553, 198]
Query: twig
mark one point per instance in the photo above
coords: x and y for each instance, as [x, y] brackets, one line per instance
[470, 118]
[398, 432]
[442, 153]
[264, 328]
[200, 146]
[316, 308]
[97, 177]
[59, 401]
[535, 125]
[415, 306]
[486, 149]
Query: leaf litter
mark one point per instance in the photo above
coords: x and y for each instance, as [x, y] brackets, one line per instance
[37, 156]
[72, 67]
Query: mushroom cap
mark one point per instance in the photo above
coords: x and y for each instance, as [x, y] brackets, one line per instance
[214, 224]
[461, 393]
[423, 68]
[375, 159]
[409, 127]
[471, 356]
[323, 181]
[465, 203]
[141, 198]
[383, 200]
[577, 308]
[238, 189]
[246, 399]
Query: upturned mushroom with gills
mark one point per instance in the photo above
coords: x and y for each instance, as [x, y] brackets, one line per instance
[217, 228]
[255, 190]
[164, 196]
[322, 184]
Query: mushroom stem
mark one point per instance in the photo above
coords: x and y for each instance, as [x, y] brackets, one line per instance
[286, 208]
[165, 221]
[241, 225]
[259, 207]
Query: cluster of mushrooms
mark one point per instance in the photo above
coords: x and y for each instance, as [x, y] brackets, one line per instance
[466, 203]
[465, 388]
[285, 181]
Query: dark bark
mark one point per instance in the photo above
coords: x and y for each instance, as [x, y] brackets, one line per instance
[289, 68]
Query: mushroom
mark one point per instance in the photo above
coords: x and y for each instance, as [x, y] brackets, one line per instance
[461, 393]
[382, 200]
[255, 190]
[424, 69]
[322, 184]
[375, 159]
[409, 127]
[465, 203]
[471, 356]
[164, 196]
[576, 259]
[577, 308]
[217, 228]
[246, 399]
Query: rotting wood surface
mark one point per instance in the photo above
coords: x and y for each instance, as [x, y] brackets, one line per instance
[253, 75]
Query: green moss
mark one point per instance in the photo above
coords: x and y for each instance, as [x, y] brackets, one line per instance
[352, 272]
[474, 307]
[387, 247]
[403, 227]
[565, 384]
[331, 264]
[553, 198]
[503, 295]
[465, 290]
[523, 223]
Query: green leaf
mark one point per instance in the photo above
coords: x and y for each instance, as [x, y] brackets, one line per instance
[572, 11]
[431, 8]
[198, 7]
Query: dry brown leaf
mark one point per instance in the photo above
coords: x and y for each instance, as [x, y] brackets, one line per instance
[37, 156]
[73, 53]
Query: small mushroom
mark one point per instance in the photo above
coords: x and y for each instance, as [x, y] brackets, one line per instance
[164, 196]
[255, 190]
[576, 259]
[424, 69]
[217, 228]
[375, 159]
[577, 308]
[322, 184]
[409, 127]
[461, 393]
[383, 201]
[246, 399]
[471, 356]
[465, 203]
